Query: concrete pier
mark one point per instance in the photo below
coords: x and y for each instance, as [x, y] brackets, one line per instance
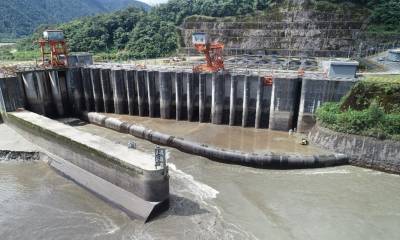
[192, 81]
[263, 104]
[165, 94]
[75, 90]
[151, 80]
[202, 97]
[87, 89]
[108, 97]
[179, 98]
[125, 177]
[142, 95]
[119, 91]
[246, 99]
[260, 93]
[130, 83]
[218, 94]
[284, 103]
[97, 89]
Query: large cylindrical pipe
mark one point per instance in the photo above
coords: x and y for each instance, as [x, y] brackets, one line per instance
[266, 160]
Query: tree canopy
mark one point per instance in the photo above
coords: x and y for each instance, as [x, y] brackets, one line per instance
[136, 33]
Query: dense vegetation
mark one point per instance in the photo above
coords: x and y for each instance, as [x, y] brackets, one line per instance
[133, 33]
[372, 108]
[21, 17]
[384, 15]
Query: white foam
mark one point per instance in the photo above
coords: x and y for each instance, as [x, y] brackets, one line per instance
[323, 172]
[199, 189]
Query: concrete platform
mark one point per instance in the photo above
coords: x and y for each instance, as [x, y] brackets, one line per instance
[126, 178]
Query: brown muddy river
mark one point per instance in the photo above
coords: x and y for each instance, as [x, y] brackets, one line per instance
[236, 138]
[208, 201]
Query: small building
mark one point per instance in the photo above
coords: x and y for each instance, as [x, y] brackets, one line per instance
[340, 68]
[53, 35]
[79, 59]
[394, 55]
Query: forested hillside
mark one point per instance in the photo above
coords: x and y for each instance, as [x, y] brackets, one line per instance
[21, 17]
[134, 33]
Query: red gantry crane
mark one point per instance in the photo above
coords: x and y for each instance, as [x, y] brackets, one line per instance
[53, 48]
[213, 53]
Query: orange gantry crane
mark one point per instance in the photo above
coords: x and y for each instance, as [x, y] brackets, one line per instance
[54, 49]
[213, 53]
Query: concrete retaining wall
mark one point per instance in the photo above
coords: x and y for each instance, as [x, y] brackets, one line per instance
[127, 178]
[315, 92]
[268, 160]
[363, 151]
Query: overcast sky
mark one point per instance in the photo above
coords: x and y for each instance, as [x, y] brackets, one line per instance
[153, 2]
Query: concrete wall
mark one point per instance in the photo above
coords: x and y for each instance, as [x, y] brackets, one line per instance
[125, 177]
[219, 98]
[363, 151]
[315, 92]
[12, 94]
[284, 103]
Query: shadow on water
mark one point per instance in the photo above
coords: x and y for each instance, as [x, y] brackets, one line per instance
[181, 206]
[73, 122]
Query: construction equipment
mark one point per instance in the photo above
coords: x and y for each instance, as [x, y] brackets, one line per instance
[53, 48]
[268, 80]
[213, 53]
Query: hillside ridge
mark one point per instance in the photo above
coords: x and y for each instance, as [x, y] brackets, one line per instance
[20, 18]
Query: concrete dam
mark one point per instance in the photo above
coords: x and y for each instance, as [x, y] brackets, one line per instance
[128, 178]
[220, 98]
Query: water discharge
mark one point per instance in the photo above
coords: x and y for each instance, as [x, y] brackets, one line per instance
[209, 200]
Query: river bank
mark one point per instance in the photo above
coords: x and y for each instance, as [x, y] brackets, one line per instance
[383, 155]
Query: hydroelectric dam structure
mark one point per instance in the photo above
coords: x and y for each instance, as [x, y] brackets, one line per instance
[129, 178]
